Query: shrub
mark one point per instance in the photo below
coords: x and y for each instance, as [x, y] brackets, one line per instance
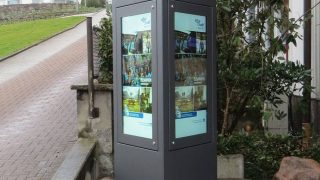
[263, 153]
[105, 49]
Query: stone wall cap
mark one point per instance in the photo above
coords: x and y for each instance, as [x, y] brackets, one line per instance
[75, 159]
[231, 156]
[97, 87]
[232, 179]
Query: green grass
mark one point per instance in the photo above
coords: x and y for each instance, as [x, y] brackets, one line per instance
[17, 36]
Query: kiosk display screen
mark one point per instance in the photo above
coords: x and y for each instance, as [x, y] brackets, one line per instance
[137, 75]
[190, 75]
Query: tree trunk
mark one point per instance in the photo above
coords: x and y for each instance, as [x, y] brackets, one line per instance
[290, 118]
[239, 114]
[225, 124]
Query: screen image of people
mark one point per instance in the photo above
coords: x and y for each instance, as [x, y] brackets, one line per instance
[146, 100]
[190, 75]
[190, 70]
[137, 75]
[137, 70]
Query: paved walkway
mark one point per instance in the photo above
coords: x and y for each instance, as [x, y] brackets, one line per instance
[33, 56]
[37, 107]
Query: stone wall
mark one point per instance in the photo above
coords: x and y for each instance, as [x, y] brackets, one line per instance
[274, 125]
[230, 166]
[79, 163]
[101, 128]
[34, 11]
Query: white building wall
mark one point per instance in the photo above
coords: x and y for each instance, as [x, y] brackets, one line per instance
[315, 54]
[296, 52]
[274, 125]
[3, 2]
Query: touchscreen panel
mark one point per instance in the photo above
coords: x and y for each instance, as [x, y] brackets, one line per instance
[190, 75]
[137, 75]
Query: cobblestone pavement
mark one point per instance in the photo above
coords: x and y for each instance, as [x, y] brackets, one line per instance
[38, 115]
[38, 109]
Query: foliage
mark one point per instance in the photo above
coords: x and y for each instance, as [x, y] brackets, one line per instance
[263, 153]
[93, 3]
[251, 63]
[16, 36]
[9, 17]
[105, 49]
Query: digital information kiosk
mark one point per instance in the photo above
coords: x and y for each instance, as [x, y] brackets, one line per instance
[164, 89]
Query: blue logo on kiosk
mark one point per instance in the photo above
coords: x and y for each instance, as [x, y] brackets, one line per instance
[136, 115]
[188, 115]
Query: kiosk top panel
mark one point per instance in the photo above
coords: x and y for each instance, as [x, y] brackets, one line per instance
[119, 3]
[210, 3]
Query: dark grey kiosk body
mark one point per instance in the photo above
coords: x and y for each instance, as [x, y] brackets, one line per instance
[164, 89]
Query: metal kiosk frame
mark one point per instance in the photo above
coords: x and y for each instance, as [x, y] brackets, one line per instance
[155, 142]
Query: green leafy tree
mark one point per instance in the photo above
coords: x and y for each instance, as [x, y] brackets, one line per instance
[251, 64]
